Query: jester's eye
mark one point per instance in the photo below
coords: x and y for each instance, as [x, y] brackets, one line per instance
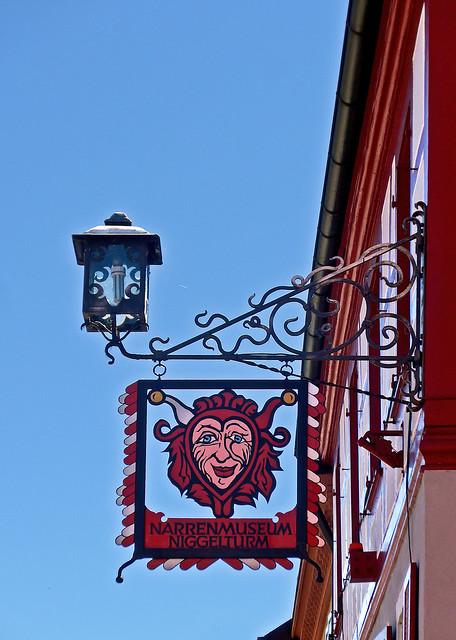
[237, 438]
[206, 438]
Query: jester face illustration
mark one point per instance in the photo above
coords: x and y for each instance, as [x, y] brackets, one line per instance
[222, 451]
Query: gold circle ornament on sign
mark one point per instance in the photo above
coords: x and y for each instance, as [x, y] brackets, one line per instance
[289, 397]
[156, 397]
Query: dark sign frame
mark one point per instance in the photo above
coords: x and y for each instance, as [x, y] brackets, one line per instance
[297, 521]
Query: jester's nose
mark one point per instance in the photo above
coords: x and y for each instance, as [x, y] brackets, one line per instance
[222, 453]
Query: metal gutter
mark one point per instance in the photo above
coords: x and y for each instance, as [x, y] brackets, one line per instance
[281, 633]
[363, 21]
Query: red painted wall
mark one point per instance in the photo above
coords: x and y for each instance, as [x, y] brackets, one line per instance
[440, 310]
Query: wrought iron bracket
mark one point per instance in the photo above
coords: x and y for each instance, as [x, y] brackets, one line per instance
[383, 275]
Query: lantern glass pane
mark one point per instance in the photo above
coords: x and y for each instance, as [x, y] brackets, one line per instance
[116, 286]
[115, 275]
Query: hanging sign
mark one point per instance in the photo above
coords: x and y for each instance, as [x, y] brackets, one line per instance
[223, 469]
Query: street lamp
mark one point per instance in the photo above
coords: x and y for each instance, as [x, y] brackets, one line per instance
[116, 258]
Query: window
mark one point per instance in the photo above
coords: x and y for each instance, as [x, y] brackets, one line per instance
[406, 609]
[386, 634]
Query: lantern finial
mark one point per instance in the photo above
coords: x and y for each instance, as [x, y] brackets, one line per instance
[118, 219]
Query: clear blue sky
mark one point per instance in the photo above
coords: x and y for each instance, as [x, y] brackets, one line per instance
[208, 122]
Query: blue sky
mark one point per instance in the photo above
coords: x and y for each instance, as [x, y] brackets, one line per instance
[208, 123]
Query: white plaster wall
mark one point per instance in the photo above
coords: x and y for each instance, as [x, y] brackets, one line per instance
[439, 577]
[433, 548]
[387, 611]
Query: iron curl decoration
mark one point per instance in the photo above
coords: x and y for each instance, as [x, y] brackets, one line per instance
[412, 384]
[97, 255]
[204, 324]
[379, 279]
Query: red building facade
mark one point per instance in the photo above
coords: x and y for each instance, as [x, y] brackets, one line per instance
[391, 470]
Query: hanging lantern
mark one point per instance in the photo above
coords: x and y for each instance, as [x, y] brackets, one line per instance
[116, 259]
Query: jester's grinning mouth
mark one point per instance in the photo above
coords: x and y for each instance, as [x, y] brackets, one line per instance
[224, 472]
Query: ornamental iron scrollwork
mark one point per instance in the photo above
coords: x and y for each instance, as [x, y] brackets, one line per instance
[382, 276]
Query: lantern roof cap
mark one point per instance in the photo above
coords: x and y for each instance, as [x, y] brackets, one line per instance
[118, 224]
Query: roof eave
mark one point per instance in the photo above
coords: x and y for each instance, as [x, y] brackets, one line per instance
[363, 21]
